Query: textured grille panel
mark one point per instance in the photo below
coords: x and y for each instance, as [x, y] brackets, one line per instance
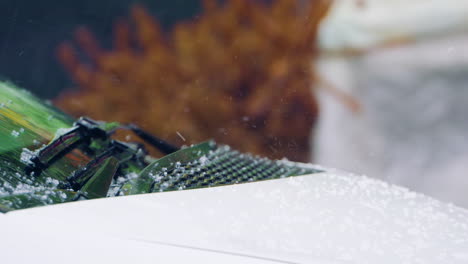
[223, 166]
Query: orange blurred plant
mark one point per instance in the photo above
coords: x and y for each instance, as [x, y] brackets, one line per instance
[241, 73]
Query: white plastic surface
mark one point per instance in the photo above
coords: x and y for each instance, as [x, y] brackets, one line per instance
[318, 218]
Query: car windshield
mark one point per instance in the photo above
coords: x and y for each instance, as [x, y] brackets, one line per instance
[80, 160]
[27, 124]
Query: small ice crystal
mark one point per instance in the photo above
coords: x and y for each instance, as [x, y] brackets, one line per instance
[203, 159]
[15, 133]
[26, 156]
[52, 181]
[62, 131]
[131, 175]
[63, 195]
[164, 186]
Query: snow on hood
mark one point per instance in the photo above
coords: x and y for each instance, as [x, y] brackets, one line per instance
[319, 218]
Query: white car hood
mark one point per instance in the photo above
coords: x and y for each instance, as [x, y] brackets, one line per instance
[319, 218]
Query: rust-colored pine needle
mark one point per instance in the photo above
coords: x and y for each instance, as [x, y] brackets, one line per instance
[240, 73]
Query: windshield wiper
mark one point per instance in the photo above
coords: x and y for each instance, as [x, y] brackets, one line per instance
[84, 132]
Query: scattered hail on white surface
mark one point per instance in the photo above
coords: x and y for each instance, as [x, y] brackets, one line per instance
[328, 217]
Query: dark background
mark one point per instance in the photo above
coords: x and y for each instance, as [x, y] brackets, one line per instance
[30, 32]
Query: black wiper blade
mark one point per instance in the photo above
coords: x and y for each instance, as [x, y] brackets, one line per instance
[164, 146]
